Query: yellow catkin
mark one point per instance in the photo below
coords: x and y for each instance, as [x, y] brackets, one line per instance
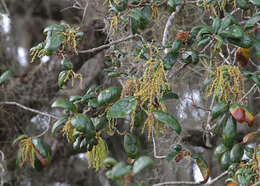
[227, 85]
[149, 89]
[27, 149]
[68, 131]
[98, 154]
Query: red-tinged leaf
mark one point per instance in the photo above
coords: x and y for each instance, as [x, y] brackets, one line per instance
[250, 137]
[179, 157]
[242, 56]
[237, 112]
[44, 161]
[249, 116]
[203, 166]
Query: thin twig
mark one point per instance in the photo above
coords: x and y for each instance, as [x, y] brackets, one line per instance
[168, 26]
[154, 149]
[251, 89]
[2, 155]
[29, 109]
[85, 13]
[192, 183]
[207, 46]
[5, 7]
[109, 44]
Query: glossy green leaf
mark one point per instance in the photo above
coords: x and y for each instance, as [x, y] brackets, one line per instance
[147, 12]
[205, 31]
[170, 59]
[76, 143]
[203, 167]
[244, 42]
[132, 145]
[100, 122]
[53, 42]
[62, 78]
[5, 76]
[229, 132]
[55, 27]
[58, 123]
[141, 163]
[67, 64]
[220, 149]
[252, 21]
[19, 138]
[169, 95]
[190, 56]
[82, 123]
[133, 25]
[65, 104]
[225, 160]
[113, 74]
[204, 41]
[121, 5]
[140, 117]
[233, 32]
[243, 4]
[42, 147]
[75, 98]
[119, 170]
[216, 24]
[168, 120]
[109, 95]
[173, 3]
[93, 103]
[110, 161]
[236, 153]
[122, 107]
[219, 109]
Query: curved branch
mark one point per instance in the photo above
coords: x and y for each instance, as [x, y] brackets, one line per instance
[29, 109]
[109, 44]
[168, 26]
[192, 183]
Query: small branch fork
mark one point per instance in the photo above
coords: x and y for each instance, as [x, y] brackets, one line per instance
[168, 26]
[35, 111]
[109, 44]
[28, 108]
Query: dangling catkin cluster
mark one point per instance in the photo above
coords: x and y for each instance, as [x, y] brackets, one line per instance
[227, 85]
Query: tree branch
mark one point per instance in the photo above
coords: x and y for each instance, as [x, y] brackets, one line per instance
[29, 109]
[192, 183]
[109, 44]
[154, 149]
[168, 26]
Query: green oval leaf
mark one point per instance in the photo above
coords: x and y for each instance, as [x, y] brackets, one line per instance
[109, 95]
[168, 120]
[236, 153]
[42, 147]
[65, 104]
[141, 163]
[122, 107]
[62, 78]
[229, 132]
[219, 109]
[5, 76]
[55, 27]
[82, 123]
[58, 123]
